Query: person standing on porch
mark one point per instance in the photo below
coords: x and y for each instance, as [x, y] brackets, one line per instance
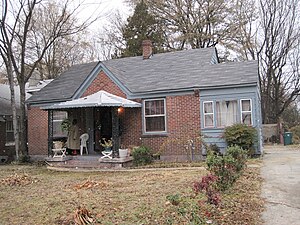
[73, 141]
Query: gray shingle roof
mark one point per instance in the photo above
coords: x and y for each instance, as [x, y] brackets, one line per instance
[170, 73]
[65, 86]
[162, 72]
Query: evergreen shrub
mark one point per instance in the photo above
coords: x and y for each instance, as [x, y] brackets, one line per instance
[242, 135]
[142, 156]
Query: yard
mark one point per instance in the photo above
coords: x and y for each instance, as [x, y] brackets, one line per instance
[31, 194]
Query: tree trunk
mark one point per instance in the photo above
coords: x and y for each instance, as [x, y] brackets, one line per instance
[14, 109]
[23, 121]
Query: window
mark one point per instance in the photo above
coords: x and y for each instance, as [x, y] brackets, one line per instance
[208, 114]
[154, 116]
[223, 113]
[226, 112]
[58, 118]
[9, 131]
[246, 111]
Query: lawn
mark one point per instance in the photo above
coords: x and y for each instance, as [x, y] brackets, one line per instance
[132, 197]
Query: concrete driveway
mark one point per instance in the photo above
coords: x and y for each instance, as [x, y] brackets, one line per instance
[281, 187]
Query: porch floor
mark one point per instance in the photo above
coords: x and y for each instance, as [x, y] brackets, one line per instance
[88, 162]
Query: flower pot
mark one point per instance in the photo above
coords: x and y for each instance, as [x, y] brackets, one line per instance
[123, 153]
[107, 149]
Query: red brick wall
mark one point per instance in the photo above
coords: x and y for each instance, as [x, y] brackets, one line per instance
[37, 131]
[131, 120]
[183, 124]
[103, 82]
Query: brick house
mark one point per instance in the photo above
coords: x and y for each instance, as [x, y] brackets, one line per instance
[180, 93]
[7, 142]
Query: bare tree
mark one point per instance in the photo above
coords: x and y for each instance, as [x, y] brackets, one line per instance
[23, 45]
[243, 38]
[195, 23]
[109, 39]
[279, 56]
[65, 51]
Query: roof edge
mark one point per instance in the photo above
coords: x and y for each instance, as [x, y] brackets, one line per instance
[170, 92]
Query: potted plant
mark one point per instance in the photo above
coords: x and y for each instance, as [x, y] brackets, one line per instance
[123, 152]
[65, 125]
[106, 144]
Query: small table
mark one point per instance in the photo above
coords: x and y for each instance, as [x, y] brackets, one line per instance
[59, 152]
[106, 154]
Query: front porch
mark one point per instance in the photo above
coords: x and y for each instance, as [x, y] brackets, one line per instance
[99, 116]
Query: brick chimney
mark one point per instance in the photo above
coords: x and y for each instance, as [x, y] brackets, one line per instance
[147, 49]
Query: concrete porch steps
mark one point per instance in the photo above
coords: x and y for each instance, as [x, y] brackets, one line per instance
[90, 163]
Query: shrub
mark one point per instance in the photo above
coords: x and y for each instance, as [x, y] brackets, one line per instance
[241, 135]
[208, 187]
[296, 134]
[142, 156]
[239, 155]
[214, 149]
[227, 167]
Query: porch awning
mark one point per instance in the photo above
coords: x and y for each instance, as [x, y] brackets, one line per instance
[101, 98]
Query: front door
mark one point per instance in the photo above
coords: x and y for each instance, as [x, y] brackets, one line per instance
[103, 126]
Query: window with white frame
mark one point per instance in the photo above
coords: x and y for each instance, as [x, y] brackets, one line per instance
[154, 115]
[246, 111]
[208, 111]
[58, 118]
[227, 113]
[9, 131]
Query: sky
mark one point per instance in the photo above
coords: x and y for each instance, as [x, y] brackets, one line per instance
[104, 9]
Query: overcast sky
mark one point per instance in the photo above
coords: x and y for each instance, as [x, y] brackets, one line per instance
[104, 8]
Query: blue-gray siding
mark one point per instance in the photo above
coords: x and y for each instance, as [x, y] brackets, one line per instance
[215, 135]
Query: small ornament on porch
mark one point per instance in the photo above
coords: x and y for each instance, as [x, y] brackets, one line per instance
[106, 144]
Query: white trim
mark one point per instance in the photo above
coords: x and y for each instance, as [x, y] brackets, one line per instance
[213, 114]
[241, 109]
[157, 115]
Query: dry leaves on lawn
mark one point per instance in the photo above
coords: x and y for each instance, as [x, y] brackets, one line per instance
[18, 180]
[88, 184]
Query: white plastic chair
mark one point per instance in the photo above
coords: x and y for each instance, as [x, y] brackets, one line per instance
[83, 144]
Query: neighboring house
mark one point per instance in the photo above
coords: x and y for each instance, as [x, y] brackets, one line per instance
[174, 95]
[7, 141]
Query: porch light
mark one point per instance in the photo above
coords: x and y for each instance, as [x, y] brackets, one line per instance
[120, 110]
